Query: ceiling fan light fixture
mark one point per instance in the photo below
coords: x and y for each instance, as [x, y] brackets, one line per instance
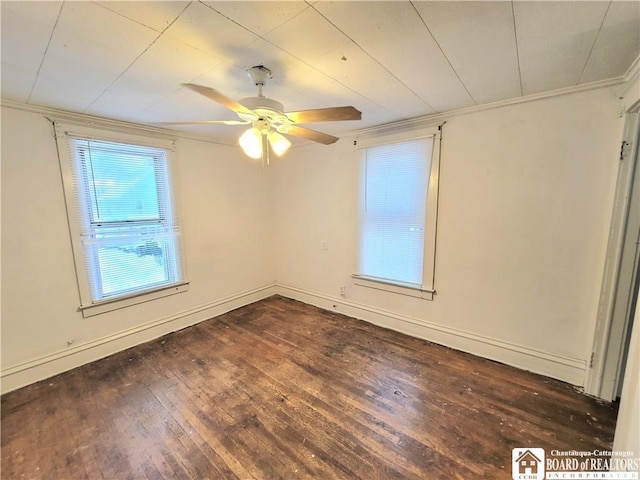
[251, 143]
[278, 142]
[269, 119]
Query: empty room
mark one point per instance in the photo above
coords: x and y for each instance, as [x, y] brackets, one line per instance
[320, 240]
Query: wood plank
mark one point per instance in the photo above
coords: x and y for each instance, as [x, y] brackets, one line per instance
[280, 389]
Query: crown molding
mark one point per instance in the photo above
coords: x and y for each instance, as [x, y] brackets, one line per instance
[627, 80]
[54, 114]
[630, 78]
[439, 118]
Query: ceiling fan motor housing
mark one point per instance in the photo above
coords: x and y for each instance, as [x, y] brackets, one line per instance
[262, 103]
[268, 110]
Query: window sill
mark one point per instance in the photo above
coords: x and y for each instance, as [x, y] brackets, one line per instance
[408, 289]
[105, 306]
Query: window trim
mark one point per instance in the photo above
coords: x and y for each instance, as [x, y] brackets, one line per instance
[108, 305]
[426, 290]
[387, 285]
[87, 305]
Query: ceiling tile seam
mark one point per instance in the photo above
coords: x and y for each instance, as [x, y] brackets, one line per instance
[230, 60]
[258, 35]
[228, 18]
[515, 38]
[191, 80]
[261, 36]
[593, 45]
[44, 54]
[124, 16]
[324, 73]
[137, 58]
[443, 53]
[375, 60]
[178, 87]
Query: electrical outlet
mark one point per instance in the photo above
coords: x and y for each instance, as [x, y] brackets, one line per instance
[324, 245]
[343, 292]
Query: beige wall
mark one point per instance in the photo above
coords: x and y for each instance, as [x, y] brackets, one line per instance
[525, 203]
[226, 217]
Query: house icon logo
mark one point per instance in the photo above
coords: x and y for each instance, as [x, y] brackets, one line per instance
[527, 463]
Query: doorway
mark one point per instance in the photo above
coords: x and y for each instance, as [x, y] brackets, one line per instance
[621, 279]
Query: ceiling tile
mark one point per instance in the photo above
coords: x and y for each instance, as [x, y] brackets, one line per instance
[357, 71]
[80, 68]
[87, 21]
[302, 86]
[394, 35]
[259, 17]
[391, 60]
[136, 90]
[185, 105]
[554, 41]
[64, 84]
[478, 39]
[618, 43]
[261, 52]
[318, 39]
[155, 15]
[209, 31]
[38, 19]
[38, 11]
[84, 57]
[313, 89]
[16, 82]
[326, 49]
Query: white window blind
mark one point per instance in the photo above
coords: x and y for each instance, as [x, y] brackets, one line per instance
[123, 219]
[393, 211]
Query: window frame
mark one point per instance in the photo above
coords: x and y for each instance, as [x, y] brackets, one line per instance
[426, 289]
[76, 216]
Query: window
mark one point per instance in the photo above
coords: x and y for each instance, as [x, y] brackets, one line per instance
[398, 209]
[123, 222]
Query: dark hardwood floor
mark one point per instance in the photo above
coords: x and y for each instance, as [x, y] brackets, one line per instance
[280, 389]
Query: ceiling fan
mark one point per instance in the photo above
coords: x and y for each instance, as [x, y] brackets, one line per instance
[269, 120]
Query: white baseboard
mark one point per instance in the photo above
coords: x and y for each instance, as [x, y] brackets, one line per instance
[47, 366]
[567, 369]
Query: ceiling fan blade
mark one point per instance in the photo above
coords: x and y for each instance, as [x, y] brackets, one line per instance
[206, 122]
[312, 135]
[325, 115]
[216, 96]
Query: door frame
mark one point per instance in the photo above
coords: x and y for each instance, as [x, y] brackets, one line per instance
[618, 287]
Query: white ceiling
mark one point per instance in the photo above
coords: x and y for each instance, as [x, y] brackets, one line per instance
[392, 60]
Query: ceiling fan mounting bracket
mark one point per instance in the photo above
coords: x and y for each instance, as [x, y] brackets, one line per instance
[259, 74]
